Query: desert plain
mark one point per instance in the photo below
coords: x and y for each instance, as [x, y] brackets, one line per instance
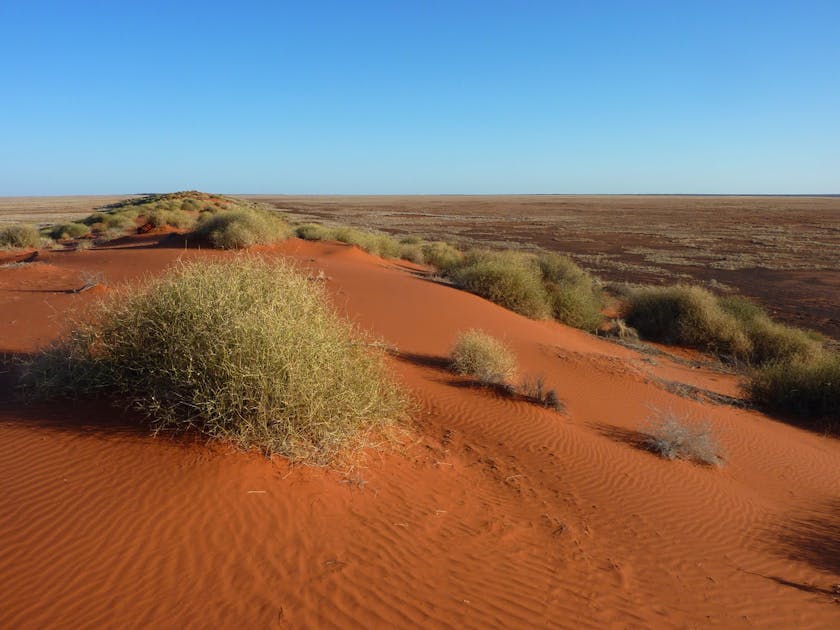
[491, 511]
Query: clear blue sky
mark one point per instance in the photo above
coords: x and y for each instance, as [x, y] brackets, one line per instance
[420, 96]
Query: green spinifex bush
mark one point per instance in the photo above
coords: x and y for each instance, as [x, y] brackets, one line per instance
[69, 230]
[806, 388]
[687, 315]
[508, 278]
[236, 229]
[17, 236]
[574, 294]
[246, 351]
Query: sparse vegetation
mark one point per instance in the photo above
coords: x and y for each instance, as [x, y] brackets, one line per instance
[672, 436]
[483, 357]
[246, 351]
[534, 389]
[19, 236]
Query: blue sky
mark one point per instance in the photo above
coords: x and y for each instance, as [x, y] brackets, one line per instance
[420, 97]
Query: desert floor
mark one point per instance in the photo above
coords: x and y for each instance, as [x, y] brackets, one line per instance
[493, 512]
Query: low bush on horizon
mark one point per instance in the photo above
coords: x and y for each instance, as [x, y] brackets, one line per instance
[412, 248]
[672, 436]
[64, 231]
[246, 351]
[177, 218]
[484, 358]
[19, 236]
[376, 243]
[237, 229]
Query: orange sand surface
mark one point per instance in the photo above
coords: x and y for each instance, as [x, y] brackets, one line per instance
[494, 513]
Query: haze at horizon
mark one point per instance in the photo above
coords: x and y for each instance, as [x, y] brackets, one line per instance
[420, 98]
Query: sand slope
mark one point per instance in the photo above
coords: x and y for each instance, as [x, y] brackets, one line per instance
[495, 513]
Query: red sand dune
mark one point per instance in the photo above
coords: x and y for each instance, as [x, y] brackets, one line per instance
[497, 513]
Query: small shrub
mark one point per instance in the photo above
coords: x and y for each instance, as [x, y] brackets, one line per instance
[507, 278]
[443, 256]
[69, 230]
[247, 351]
[483, 357]
[411, 240]
[534, 388]
[240, 228]
[687, 315]
[674, 437]
[807, 388]
[552, 401]
[18, 236]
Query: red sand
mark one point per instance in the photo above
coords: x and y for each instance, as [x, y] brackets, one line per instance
[497, 513]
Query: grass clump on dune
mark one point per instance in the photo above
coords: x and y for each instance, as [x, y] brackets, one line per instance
[508, 278]
[770, 341]
[313, 232]
[19, 236]
[483, 357]
[689, 316]
[237, 229]
[441, 255]
[806, 388]
[159, 217]
[731, 326]
[376, 243]
[246, 351]
[574, 295]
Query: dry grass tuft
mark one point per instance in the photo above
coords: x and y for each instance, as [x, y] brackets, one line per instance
[245, 351]
[680, 437]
